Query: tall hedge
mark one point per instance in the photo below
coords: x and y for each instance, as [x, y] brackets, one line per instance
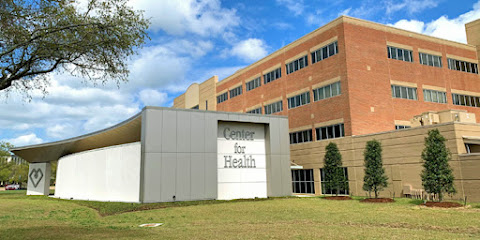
[437, 176]
[375, 179]
[334, 178]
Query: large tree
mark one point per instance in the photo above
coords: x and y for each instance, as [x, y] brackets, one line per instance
[38, 37]
[437, 176]
[5, 167]
[375, 179]
[334, 177]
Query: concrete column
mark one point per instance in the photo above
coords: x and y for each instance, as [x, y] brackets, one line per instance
[39, 179]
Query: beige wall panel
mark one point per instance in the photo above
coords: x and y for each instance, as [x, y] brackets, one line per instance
[192, 96]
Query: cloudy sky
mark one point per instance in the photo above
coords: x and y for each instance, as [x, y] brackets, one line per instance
[192, 40]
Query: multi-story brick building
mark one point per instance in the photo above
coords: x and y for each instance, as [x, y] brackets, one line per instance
[351, 81]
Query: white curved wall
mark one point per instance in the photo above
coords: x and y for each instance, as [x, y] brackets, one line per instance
[105, 174]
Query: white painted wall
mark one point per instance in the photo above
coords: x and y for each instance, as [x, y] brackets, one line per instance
[240, 182]
[105, 174]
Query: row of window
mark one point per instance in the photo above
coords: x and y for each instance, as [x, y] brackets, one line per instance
[462, 66]
[325, 52]
[274, 107]
[222, 97]
[398, 127]
[303, 182]
[299, 100]
[272, 76]
[431, 60]
[327, 132]
[404, 92]
[297, 64]
[236, 91]
[465, 100]
[256, 111]
[328, 91]
[253, 84]
[434, 96]
[400, 54]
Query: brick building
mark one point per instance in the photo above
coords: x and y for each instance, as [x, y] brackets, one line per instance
[351, 81]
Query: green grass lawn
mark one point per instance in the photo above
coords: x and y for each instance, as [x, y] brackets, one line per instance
[33, 217]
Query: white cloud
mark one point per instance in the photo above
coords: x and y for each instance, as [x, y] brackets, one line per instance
[150, 97]
[23, 140]
[295, 6]
[411, 6]
[443, 27]
[249, 50]
[202, 17]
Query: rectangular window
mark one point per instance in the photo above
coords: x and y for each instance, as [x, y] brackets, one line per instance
[328, 132]
[222, 97]
[328, 189]
[328, 91]
[256, 111]
[253, 84]
[398, 127]
[297, 64]
[301, 136]
[430, 60]
[274, 107]
[325, 52]
[272, 76]
[465, 100]
[400, 54]
[434, 96]
[302, 181]
[236, 91]
[463, 66]
[404, 92]
[299, 100]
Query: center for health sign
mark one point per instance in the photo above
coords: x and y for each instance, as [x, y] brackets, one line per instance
[241, 161]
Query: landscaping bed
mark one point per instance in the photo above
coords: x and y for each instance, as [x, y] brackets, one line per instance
[443, 204]
[377, 200]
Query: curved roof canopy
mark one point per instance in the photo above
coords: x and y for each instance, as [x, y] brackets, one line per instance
[125, 132]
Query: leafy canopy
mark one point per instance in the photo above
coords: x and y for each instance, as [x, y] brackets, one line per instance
[437, 176]
[375, 179]
[38, 37]
[334, 178]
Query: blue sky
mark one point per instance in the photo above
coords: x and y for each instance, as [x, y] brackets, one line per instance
[192, 40]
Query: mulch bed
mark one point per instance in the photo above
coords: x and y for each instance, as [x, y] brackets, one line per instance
[443, 204]
[338, 198]
[377, 200]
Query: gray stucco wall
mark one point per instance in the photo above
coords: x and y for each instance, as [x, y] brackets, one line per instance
[179, 153]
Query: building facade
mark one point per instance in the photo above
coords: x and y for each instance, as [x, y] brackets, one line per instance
[352, 80]
[166, 155]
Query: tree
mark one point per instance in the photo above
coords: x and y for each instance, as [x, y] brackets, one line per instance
[332, 168]
[375, 179]
[437, 176]
[38, 37]
[5, 167]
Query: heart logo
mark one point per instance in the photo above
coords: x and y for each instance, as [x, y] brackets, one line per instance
[36, 176]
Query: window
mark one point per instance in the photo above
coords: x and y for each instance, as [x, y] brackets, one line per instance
[297, 64]
[222, 97]
[253, 84]
[327, 189]
[206, 105]
[256, 111]
[302, 181]
[236, 91]
[465, 100]
[404, 92]
[301, 136]
[398, 127]
[328, 91]
[195, 107]
[274, 107]
[272, 76]
[430, 60]
[400, 54]
[325, 52]
[329, 132]
[434, 96]
[299, 100]
[463, 66]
